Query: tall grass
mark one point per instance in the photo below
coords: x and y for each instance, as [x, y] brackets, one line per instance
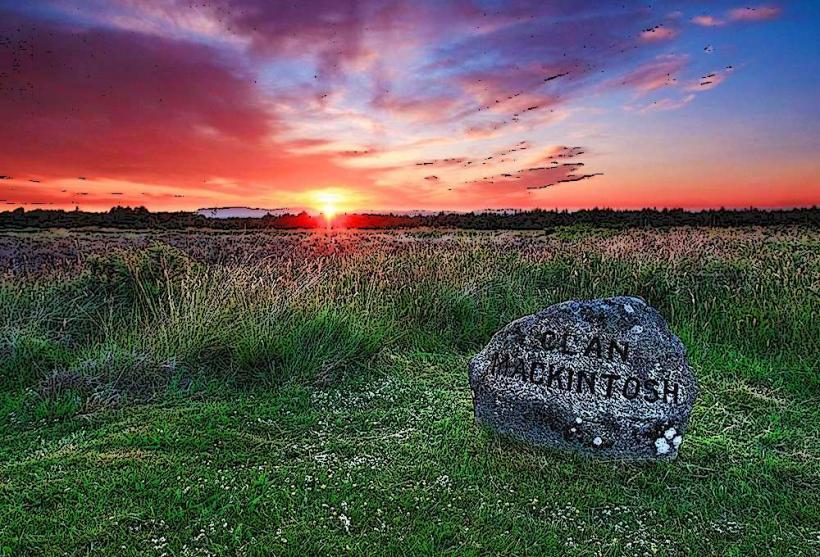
[136, 320]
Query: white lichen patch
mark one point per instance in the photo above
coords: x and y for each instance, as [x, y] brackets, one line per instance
[669, 433]
[637, 329]
[578, 420]
[628, 308]
[597, 441]
[677, 441]
[661, 446]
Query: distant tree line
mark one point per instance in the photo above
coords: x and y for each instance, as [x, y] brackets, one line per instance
[142, 218]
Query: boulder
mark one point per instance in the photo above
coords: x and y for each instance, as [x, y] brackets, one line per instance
[605, 378]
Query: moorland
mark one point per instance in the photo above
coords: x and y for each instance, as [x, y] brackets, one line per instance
[305, 392]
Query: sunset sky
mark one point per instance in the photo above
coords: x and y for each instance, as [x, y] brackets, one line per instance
[365, 105]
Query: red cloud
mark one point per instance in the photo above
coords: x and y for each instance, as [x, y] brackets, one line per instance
[141, 108]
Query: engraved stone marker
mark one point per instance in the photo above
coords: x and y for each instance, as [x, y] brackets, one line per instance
[602, 377]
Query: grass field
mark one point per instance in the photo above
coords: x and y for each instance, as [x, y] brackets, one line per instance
[306, 393]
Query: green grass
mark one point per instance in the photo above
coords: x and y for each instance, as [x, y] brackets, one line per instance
[307, 394]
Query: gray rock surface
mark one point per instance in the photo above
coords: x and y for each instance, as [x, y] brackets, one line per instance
[602, 377]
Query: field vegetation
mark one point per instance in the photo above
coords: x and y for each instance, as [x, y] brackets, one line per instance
[294, 392]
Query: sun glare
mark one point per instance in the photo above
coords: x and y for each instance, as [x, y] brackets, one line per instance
[329, 211]
[329, 202]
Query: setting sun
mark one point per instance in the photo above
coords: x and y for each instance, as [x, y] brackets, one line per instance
[330, 202]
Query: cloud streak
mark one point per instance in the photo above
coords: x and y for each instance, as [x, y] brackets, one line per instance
[745, 14]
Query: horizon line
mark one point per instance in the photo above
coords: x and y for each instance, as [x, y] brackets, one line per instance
[409, 212]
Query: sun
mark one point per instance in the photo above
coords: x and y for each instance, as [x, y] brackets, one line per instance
[329, 202]
[329, 210]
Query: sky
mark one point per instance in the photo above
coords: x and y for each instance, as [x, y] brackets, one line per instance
[354, 105]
